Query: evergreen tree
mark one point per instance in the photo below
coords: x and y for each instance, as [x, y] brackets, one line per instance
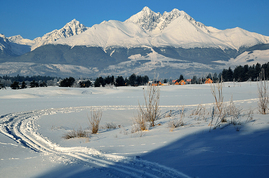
[257, 69]
[132, 80]
[252, 73]
[238, 73]
[209, 76]
[181, 78]
[67, 82]
[229, 74]
[120, 81]
[139, 80]
[194, 80]
[84, 84]
[34, 84]
[215, 77]
[43, 84]
[109, 80]
[145, 79]
[245, 73]
[127, 81]
[102, 81]
[15, 85]
[97, 82]
[23, 85]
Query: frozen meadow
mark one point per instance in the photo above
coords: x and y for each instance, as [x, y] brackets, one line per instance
[34, 120]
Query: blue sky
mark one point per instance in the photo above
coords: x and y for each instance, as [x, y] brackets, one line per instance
[34, 18]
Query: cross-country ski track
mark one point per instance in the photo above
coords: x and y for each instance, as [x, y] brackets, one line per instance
[21, 128]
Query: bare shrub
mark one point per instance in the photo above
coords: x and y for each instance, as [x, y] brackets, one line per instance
[234, 112]
[182, 114]
[150, 112]
[110, 126]
[94, 120]
[124, 131]
[79, 133]
[200, 112]
[172, 124]
[218, 109]
[263, 97]
[169, 114]
[249, 115]
[216, 90]
[139, 123]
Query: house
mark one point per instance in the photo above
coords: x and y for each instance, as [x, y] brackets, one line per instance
[182, 82]
[188, 81]
[176, 82]
[208, 81]
[157, 83]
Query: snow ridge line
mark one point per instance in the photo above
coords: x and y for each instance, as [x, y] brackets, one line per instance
[21, 128]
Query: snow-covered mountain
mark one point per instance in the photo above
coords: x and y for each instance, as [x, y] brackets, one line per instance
[3, 42]
[156, 22]
[70, 29]
[175, 28]
[5, 47]
[20, 45]
[20, 40]
[146, 43]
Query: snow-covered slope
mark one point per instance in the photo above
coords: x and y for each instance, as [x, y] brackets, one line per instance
[110, 33]
[248, 58]
[34, 120]
[70, 29]
[3, 42]
[238, 37]
[20, 45]
[156, 22]
[5, 47]
[20, 40]
[175, 28]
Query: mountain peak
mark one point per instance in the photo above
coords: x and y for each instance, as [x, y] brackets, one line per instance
[74, 22]
[146, 10]
[72, 28]
[150, 20]
[146, 18]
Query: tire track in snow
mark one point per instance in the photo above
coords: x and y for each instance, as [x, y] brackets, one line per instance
[21, 128]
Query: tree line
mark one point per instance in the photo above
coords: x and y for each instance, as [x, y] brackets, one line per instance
[244, 73]
[132, 80]
[19, 78]
[240, 73]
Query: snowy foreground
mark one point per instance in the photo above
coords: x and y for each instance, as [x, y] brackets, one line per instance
[33, 121]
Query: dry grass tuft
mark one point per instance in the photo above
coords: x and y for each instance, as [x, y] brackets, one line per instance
[76, 134]
[94, 120]
[172, 124]
[110, 126]
[139, 123]
[150, 112]
[263, 97]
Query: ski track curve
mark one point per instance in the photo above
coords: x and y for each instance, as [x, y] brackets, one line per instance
[21, 128]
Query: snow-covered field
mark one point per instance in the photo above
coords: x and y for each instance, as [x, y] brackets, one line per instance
[33, 121]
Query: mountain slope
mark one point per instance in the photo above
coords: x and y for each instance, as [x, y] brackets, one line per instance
[70, 29]
[108, 34]
[175, 28]
[20, 45]
[147, 43]
[5, 47]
